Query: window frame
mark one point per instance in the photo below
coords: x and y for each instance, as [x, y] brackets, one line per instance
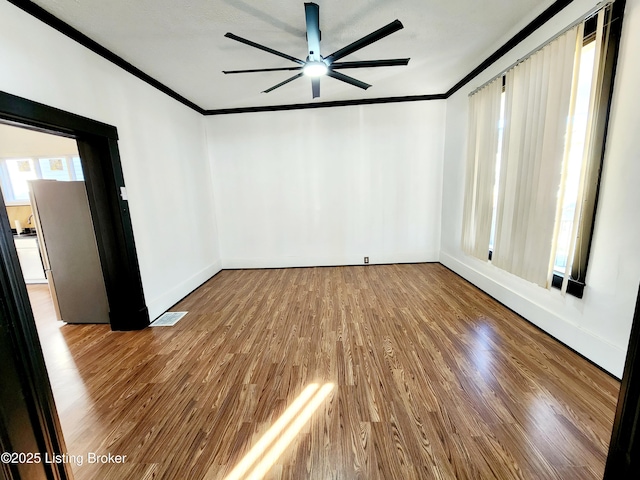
[5, 178]
[613, 19]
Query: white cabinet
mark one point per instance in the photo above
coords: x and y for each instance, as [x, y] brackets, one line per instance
[30, 260]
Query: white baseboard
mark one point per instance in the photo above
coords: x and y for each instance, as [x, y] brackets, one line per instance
[160, 304]
[601, 352]
[328, 261]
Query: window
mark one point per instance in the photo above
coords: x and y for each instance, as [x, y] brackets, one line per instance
[16, 172]
[575, 157]
[497, 177]
[534, 161]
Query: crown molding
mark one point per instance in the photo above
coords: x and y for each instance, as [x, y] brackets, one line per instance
[66, 29]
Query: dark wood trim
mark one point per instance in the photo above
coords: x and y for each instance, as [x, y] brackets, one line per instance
[28, 417]
[587, 226]
[100, 158]
[337, 103]
[66, 29]
[623, 461]
[49, 119]
[110, 213]
[531, 27]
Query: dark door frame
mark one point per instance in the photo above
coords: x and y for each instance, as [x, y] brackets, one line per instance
[623, 461]
[98, 147]
[28, 416]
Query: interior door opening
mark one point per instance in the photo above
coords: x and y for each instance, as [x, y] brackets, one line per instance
[45, 197]
[46, 200]
[28, 417]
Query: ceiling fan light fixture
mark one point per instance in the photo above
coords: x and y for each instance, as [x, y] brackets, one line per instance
[315, 65]
[315, 69]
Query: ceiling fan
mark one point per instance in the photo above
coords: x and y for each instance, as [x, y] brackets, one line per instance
[316, 66]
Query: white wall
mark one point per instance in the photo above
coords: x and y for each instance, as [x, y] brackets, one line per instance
[598, 325]
[329, 186]
[162, 147]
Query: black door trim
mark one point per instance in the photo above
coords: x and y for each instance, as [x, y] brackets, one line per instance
[623, 460]
[97, 143]
[28, 417]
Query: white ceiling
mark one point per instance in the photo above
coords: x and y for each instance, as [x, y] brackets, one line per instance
[182, 43]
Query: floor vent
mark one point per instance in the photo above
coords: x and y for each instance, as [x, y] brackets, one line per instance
[168, 319]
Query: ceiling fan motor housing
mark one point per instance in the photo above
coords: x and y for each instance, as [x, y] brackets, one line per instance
[316, 65]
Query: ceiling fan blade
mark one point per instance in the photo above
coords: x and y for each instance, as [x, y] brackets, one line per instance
[281, 69]
[396, 62]
[315, 87]
[344, 78]
[364, 41]
[291, 79]
[262, 47]
[312, 16]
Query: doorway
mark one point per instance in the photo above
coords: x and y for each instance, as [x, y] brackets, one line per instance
[102, 172]
[45, 196]
[28, 417]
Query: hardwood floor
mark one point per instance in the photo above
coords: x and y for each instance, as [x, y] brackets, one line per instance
[430, 378]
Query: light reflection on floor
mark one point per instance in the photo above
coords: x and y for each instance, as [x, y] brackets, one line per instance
[68, 387]
[275, 441]
[483, 355]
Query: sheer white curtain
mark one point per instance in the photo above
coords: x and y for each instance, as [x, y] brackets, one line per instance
[537, 107]
[484, 116]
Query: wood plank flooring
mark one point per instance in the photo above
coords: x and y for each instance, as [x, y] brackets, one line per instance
[431, 379]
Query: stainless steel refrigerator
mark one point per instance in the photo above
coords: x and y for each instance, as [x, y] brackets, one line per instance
[69, 251]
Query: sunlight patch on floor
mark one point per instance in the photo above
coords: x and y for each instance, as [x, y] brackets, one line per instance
[275, 441]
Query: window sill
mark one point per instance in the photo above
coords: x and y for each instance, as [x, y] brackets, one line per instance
[573, 288]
